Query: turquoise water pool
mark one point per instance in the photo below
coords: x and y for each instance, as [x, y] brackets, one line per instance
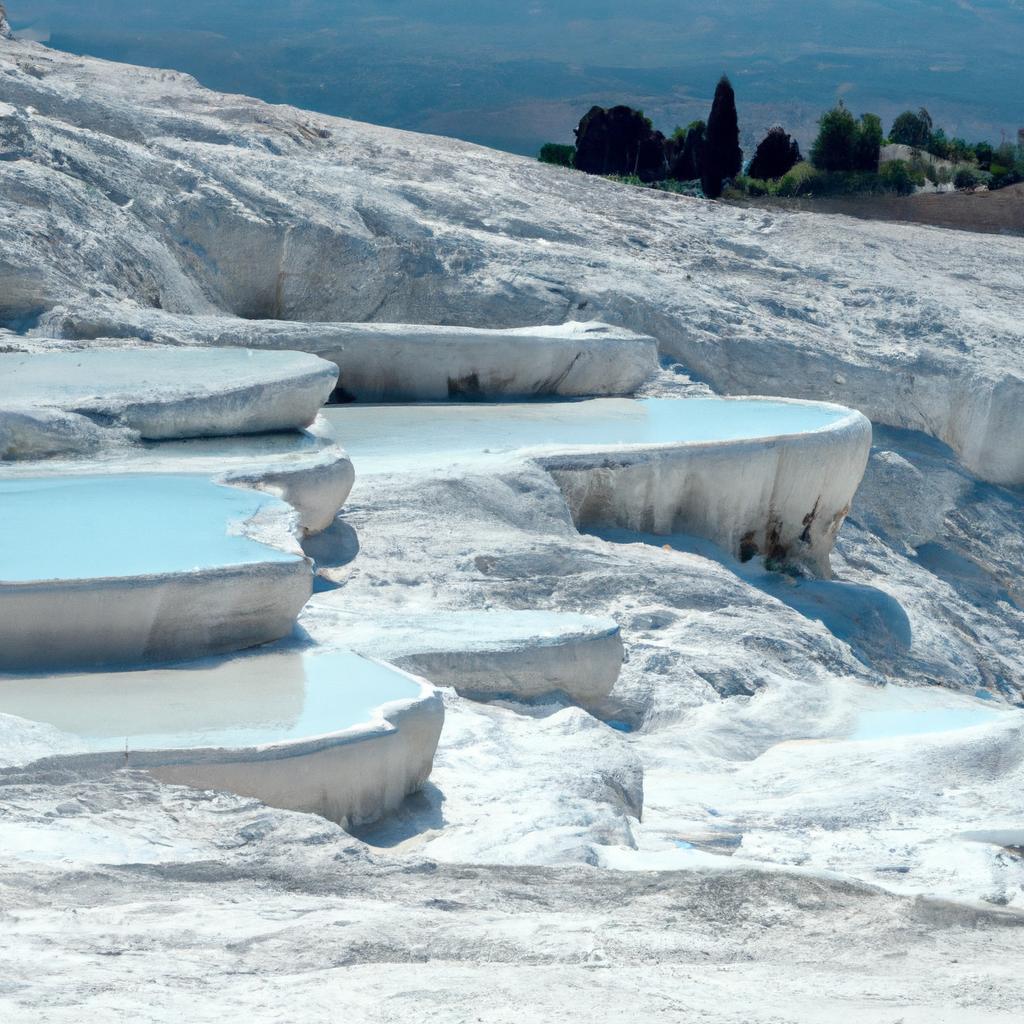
[382, 437]
[895, 711]
[94, 527]
[881, 725]
[247, 701]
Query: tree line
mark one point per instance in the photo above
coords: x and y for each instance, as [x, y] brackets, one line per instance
[621, 142]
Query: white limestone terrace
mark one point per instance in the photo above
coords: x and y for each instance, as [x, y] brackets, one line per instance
[115, 569]
[757, 476]
[381, 362]
[135, 188]
[523, 655]
[307, 468]
[330, 733]
[60, 401]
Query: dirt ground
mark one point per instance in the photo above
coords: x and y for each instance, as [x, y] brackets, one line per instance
[1000, 212]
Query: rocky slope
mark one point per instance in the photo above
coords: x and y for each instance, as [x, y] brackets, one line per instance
[721, 838]
[125, 189]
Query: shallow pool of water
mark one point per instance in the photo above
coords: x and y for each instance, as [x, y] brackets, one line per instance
[901, 711]
[94, 527]
[880, 725]
[382, 437]
[243, 702]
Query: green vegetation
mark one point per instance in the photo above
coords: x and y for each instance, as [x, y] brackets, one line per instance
[556, 153]
[683, 152]
[846, 144]
[776, 155]
[807, 180]
[910, 129]
[622, 144]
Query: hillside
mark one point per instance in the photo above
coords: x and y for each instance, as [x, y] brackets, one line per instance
[704, 782]
[161, 194]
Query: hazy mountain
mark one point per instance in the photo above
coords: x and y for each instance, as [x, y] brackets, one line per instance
[516, 73]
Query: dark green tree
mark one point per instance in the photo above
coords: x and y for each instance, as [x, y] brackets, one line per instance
[722, 157]
[683, 151]
[846, 144]
[555, 153]
[869, 143]
[776, 154]
[620, 141]
[912, 129]
[834, 148]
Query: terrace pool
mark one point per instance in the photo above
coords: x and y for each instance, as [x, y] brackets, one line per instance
[897, 711]
[249, 701]
[380, 438]
[115, 526]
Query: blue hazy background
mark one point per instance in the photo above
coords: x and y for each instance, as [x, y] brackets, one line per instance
[520, 72]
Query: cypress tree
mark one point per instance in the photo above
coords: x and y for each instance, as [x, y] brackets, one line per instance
[722, 157]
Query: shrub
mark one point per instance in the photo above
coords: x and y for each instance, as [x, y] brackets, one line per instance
[938, 145]
[869, 143]
[619, 141]
[776, 154]
[968, 177]
[795, 182]
[555, 153]
[721, 157]
[897, 177]
[983, 153]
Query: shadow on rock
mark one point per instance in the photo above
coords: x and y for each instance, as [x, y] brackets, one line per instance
[334, 548]
[419, 813]
[870, 621]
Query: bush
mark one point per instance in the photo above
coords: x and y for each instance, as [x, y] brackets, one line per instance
[968, 177]
[938, 145]
[755, 186]
[555, 153]
[794, 183]
[776, 154]
[683, 151]
[898, 177]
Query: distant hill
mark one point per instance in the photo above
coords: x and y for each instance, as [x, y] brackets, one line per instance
[521, 72]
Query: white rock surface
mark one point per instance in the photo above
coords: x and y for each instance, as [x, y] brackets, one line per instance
[158, 393]
[522, 655]
[167, 195]
[382, 362]
[828, 878]
[784, 497]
